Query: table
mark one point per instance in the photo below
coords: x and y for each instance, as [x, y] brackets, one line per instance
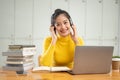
[45, 75]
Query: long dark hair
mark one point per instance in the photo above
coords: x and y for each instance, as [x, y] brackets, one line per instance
[57, 12]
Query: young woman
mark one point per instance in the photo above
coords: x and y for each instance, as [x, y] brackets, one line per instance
[59, 47]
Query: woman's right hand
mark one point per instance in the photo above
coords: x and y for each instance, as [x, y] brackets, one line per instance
[53, 34]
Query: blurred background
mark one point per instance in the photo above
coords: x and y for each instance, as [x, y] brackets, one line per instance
[28, 21]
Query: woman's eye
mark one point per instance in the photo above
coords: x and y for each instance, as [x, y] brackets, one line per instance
[65, 22]
[58, 24]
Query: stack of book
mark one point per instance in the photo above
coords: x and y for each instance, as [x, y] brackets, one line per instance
[19, 58]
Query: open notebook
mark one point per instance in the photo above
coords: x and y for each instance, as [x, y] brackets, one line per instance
[46, 68]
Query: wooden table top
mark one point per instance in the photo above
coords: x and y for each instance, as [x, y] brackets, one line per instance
[44, 75]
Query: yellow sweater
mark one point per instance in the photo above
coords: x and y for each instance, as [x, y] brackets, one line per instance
[60, 54]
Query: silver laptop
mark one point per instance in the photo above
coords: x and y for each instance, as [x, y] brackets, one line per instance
[92, 59]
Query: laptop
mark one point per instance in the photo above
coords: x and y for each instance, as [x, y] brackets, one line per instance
[92, 59]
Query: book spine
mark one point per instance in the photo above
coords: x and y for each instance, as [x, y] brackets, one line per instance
[17, 68]
[20, 65]
[24, 52]
[17, 62]
[12, 53]
[14, 47]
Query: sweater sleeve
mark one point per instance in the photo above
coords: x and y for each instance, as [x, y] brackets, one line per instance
[48, 53]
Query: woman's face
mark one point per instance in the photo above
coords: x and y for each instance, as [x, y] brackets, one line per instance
[62, 25]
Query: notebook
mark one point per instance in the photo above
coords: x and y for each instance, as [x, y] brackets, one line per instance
[92, 59]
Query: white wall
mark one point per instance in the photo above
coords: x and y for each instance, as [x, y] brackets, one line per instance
[119, 31]
[28, 21]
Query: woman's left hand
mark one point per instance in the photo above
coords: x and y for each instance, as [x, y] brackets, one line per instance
[74, 34]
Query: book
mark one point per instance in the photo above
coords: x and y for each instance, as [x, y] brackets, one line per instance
[18, 68]
[20, 65]
[14, 47]
[18, 62]
[53, 69]
[22, 52]
[20, 57]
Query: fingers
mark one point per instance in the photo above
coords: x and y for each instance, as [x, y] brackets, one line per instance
[53, 34]
[74, 29]
[74, 36]
[51, 28]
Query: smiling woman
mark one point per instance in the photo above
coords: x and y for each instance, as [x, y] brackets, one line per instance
[59, 47]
